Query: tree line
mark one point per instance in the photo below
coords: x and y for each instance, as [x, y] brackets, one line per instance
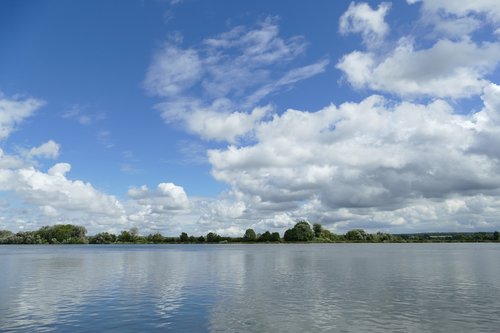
[301, 232]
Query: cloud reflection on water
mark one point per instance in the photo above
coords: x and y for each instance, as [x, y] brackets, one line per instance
[261, 288]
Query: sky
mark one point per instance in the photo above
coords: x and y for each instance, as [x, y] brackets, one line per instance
[218, 116]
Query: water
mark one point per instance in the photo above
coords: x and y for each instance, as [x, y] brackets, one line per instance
[251, 288]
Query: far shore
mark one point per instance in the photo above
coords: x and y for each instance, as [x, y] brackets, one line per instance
[301, 233]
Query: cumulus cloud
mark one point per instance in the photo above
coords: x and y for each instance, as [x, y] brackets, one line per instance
[370, 23]
[446, 62]
[213, 123]
[453, 69]
[55, 190]
[58, 198]
[166, 198]
[369, 157]
[234, 71]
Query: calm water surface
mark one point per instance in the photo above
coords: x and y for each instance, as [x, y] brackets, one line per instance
[251, 288]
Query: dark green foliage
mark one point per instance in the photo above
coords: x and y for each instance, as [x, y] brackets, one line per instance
[5, 234]
[382, 237]
[318, 228]
[125, 237]
[155, 238]
[275, 237]
[131, 236]
[356, 235]
[290, 235]
[212, 237]
[249, 236]
[328, 235]
[63, 234]
[102, 238]
[201, 239]
[184, 238]
[265, 237]
[23, 237]
[496, 236]
[301, 232]
[445, 237]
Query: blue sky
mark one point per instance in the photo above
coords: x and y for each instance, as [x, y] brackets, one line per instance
[217, 116]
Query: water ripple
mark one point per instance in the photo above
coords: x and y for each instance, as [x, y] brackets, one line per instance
[287, 288]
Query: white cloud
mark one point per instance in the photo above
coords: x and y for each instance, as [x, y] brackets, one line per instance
[14, 110]
[370, 23]
[168, 197]
[457, 28]
[10, 162]
[59, 169]
[462, 8]
[367, 163]
[358, 68]
[49, 149]
[293, 76]
[55, 190]
[49, 211]
[166, 209]
[231, 231]
[491, 100]
[173, 69]
[458, 19]
[230, 74]
[220, 126]
[447, 69]
[56, 198]
[221, 210]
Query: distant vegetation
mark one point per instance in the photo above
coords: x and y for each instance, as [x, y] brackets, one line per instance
[301, 232]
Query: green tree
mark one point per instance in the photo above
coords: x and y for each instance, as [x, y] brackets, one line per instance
[63, 234]
[290, 235]
[265, 237]
[5, 233]
[184, 238]
[275, 237]
[155, 238]
[102, 238]
[125, 237]
[212, 237]
[327, 234]
[356, 235]
[318, 228]
[249, 236]
[301, 232]
[496, 236]
[382, 237]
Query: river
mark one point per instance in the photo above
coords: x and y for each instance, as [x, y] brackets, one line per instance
[251, 288]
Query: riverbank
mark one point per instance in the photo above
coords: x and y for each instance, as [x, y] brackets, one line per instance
[300, 233]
